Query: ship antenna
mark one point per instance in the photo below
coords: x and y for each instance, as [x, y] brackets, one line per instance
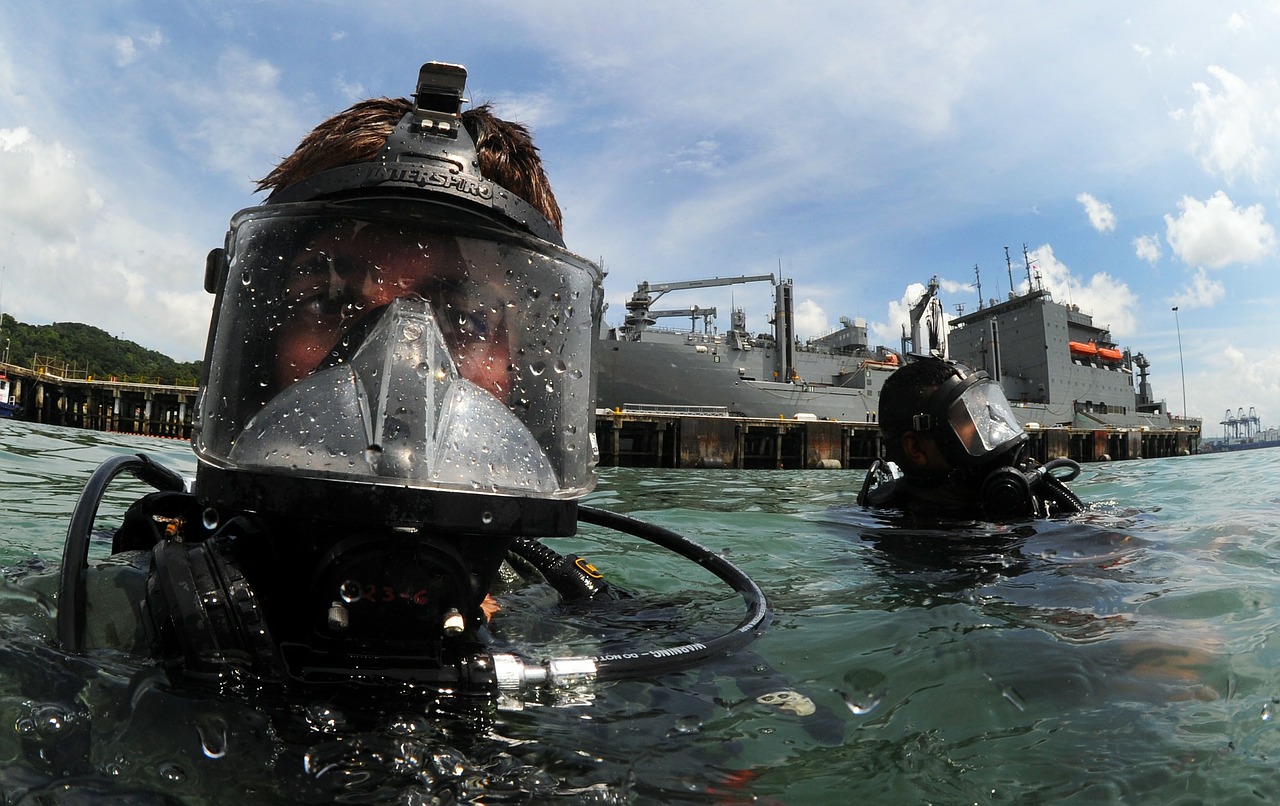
[1027, 258]
[1009, 265]
[977, 275]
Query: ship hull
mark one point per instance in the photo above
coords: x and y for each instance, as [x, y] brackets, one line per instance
[655, 374]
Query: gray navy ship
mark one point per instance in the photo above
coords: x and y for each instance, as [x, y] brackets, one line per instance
[834, 376]
[1057, 367]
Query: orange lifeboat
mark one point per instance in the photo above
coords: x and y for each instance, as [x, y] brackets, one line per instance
[1110, 354]
[1085, 349]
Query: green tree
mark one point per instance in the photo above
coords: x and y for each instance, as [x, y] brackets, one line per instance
[85, 350]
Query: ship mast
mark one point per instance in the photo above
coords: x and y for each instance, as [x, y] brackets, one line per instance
[1026, 256]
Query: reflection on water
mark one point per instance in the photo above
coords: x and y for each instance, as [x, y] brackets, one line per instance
[1121, 656]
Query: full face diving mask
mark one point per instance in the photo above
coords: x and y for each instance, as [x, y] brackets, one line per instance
[397, 388]
[404, 342]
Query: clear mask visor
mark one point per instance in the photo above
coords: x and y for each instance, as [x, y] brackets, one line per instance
[403, 344]
[983, 420]
[399, 409]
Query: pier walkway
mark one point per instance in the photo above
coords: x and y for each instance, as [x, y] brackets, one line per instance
[151, 409]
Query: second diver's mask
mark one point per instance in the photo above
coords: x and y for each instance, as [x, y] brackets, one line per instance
[970, 420]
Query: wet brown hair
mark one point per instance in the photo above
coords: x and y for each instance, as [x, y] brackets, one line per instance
[505, 149]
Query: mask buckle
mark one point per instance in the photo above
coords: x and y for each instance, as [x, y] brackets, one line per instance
[438, 100]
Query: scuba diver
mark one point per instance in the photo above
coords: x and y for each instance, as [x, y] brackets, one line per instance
[955, 451]
[397, 403]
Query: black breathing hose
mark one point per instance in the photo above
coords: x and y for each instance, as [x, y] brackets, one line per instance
[1072, 466]
[654, 661]
[75, 552]
[1053, 485]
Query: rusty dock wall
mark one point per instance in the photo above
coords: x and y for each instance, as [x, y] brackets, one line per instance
[676, 440]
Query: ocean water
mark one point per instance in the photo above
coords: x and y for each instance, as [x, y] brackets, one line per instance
[1121, 656]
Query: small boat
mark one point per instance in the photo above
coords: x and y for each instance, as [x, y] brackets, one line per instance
[8, 407]
[1082, 348]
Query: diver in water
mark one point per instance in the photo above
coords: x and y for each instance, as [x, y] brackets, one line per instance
[397, 403]
[955, 451]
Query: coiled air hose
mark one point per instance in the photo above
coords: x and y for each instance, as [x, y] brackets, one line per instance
[515, 673]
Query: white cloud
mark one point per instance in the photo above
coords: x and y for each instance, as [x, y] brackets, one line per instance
[1100, 215]
[1215, 233]
[1232, 127]
[351, 92]
[703, 157]
[245, 120]
[126, 47]
[72, 257]
[126, 51]
[1147, 247]
[1110, 301]
[810, 319]
[899, 316]
[537, 110]
[1201, 292]
[44, 193]
[1240, 379]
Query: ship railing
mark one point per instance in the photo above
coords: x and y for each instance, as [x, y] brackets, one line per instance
[693, 411]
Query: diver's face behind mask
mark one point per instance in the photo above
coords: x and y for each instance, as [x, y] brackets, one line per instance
[972, 421]
[406, 347]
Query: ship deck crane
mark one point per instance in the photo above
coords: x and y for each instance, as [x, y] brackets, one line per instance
[639, 307]
[693, 312]
[926, 314]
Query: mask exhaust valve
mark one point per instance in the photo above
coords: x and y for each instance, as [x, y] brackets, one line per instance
[454, 623]
[339, 619]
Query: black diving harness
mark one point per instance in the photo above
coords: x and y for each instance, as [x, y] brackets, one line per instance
[567, 574]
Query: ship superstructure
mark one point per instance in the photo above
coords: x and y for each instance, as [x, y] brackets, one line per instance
[1057, 367]
[834, 376]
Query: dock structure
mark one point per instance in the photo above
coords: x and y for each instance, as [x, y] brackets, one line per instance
[110, 404]
[649, 436]
[689, 438]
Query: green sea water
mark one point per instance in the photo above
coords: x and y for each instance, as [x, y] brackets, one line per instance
[1121, 656]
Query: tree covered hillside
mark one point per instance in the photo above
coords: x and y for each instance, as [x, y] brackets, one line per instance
[74, 350]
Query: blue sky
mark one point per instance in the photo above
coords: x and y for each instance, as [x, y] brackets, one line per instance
[858, 148]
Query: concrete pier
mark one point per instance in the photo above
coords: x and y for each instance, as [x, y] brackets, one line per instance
[102, 405]
[707, 440]
[690, 437]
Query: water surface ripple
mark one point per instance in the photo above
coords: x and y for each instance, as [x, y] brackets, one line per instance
[1122, 656]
